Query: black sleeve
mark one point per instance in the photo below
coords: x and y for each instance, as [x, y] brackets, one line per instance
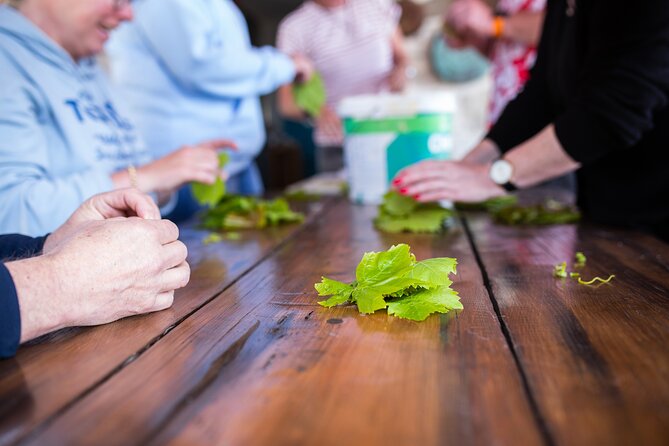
[16, 246]
[10, 318]
[625, 81]
[530, 111]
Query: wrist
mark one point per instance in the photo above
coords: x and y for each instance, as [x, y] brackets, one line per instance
[37, 289]
[501, 172]
[498, 25]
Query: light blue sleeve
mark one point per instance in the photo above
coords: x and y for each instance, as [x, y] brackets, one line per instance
[209, 54]
[32, 201]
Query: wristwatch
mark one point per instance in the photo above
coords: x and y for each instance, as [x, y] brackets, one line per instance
[501, 172]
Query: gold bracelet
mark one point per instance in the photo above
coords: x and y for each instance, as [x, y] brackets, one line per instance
[132, 175]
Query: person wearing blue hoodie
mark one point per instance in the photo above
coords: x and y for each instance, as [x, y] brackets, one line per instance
[189, 71]
[65, 136]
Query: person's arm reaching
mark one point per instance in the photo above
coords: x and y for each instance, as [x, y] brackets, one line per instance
[187, 39]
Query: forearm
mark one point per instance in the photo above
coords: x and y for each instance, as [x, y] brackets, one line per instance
[287, 106]
[539, 159]
[486, 152]
[400, 55]
[524, 27]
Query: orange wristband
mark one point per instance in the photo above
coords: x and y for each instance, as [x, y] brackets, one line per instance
[497, 27]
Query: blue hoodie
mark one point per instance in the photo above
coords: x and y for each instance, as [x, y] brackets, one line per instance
[61, 135]
[190, 73]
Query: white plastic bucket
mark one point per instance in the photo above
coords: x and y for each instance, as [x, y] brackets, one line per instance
[385, 133]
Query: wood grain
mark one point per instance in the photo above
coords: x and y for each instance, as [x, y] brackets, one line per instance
[53, 372]
[596, 358]
[264, 364]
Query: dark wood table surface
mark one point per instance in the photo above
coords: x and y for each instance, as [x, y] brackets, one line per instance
[247, 357]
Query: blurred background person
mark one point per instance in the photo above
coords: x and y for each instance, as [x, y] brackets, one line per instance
[507, 35]
[596, 103]
[356, 46]
[190, 72]
[65, 135]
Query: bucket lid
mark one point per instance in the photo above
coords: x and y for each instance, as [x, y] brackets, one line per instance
[374, 106]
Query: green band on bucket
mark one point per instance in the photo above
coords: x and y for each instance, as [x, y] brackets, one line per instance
[437, 123]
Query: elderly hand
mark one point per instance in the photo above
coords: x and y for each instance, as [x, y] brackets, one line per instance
[447, 180]
[189, 163]
[471, 18]
[107, 270]
[118, 203]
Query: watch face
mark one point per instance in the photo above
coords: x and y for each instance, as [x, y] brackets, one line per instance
[501, 171]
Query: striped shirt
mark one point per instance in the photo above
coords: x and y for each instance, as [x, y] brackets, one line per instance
[349, 45]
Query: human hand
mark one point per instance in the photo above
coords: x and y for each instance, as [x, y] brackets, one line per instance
[470, 18]
[398, 78]
[304, 69]
[329, 125]
[435, 180]
[189, 163]
[107, 270]
[117, 203]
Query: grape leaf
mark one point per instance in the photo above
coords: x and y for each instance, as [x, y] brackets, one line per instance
[393, 279]
[399, 213]
[235, 212]
[210, 194]
[310, 96]
[420, 305]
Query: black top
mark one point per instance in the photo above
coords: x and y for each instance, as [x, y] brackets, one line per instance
[602, 77]
[12, 247]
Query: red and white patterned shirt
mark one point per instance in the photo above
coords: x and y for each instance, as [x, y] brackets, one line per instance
[511, 61]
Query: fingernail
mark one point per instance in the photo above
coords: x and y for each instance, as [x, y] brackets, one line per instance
[403, 190]
[397, 181]
[416, 197]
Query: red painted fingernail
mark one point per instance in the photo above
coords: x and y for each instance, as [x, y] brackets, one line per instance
[403, 190]
[397, 181]
[416, 197]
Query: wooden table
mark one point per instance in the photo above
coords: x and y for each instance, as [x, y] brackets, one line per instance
[246, 356]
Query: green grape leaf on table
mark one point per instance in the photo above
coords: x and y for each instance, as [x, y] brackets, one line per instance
[310, 96]
[235, 212]
[490, 205]
[210, 194]
[395, 280]
[399, 213]
[549, 213]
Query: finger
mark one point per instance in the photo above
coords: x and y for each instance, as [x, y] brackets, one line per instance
[163, 301]
[202, 176]
[175, 278]
[428, 187]
[174, 254]
[219, 144]
[125, 203]
[166, 231]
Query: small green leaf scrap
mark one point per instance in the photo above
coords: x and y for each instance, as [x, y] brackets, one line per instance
[235, 212]
[560, 271]
[395, 281]
[399, 213]
[210, 194]
[310, 96]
